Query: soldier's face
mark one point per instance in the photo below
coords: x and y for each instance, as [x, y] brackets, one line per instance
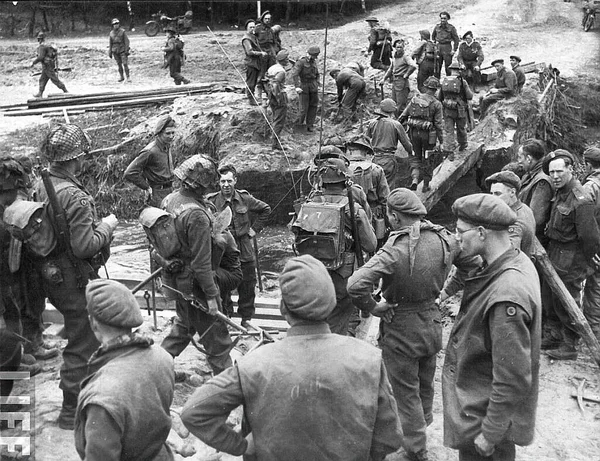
[514, 63]
[503, 192]
[268, 19]
[560, 173]
[443, 19]
[116, 25]
[498, 66]
[227, 183]
[469, 39]
[167, 135]
[251, 26]
[524, 160]
[469, 237]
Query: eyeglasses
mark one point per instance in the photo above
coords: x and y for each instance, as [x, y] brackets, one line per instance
[459, 233]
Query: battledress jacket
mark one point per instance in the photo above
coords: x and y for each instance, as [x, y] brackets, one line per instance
[152, 167]
[312, 396]
[490, 375]
[123, 409]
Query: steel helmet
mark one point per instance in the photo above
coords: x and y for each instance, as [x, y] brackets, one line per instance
[432, 83]
[41, 35]
[198, 170]
[313, 50]
[66, 142]
[115, 21]
[12, 174]
[333, 170]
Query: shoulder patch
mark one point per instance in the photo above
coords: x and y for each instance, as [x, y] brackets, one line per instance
[511, 311]
[84, 202]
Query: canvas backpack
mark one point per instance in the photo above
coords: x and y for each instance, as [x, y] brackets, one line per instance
[319, 231]
[451, 85]
[159, 226]
[419, 108]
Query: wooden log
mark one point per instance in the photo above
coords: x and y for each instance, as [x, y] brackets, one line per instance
[560, 290]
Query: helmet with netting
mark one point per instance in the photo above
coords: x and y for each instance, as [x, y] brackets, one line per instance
[333, 170]
[66, 142]
[198, 170]
[12, 174]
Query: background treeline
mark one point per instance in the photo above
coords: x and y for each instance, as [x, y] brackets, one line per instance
[26, 18]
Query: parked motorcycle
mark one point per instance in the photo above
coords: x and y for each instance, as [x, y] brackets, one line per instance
[181, 24]
[589, 15]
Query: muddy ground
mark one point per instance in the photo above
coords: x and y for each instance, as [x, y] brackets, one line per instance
[552, 35]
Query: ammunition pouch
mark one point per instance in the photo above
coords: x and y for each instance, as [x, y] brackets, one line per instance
[419, 124]
[450, 104]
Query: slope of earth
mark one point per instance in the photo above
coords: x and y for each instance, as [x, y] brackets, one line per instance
[553, 35]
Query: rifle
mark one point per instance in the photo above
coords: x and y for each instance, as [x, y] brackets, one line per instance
[62, 226]
[470, 117]
[355, 233]
[61, 69]
[436, 52]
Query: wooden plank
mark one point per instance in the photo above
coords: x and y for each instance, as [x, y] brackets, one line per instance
[447, 174]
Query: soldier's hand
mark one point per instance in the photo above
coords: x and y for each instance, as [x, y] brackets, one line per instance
[596, 262]
[463, 67]
[483, 447]
[213, 306]
[384, 310]
[111, 220]
[148, 194]
[476, 68]
[251, 233]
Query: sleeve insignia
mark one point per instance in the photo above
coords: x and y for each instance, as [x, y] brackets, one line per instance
[511, 311]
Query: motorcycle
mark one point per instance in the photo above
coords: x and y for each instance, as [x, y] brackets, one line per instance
[181, 24]
[589, 16]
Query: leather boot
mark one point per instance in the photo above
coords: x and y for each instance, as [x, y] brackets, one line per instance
[66, 418]
[426, 187]
[567, 350]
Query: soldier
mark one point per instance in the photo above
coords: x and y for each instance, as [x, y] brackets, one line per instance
[398, 73]
[351, 87]
[278, 100]
[504, 87]
[152, 169]
[306, 79]
[380, 44]
[334, 175]
[536, 187]
[445, 35]
[425, 57]
[455, 95]
[173, 50]
[249, 217]
[515, 64]
[591, 293]
[268, 37]
[272, 384]
[506, 185]
[48, 56]
[118, 48]
[573, 241]
[491, 370]
[425, 121]
[413, 265]
[252, 60]
[193, 222]
[66, 271]
[13, 292]
[112, 413]
[470, 57]
[384, 133]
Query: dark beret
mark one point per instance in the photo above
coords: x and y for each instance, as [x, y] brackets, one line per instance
[515, 57]
[112, 303]
[406, 201]
[554, 155]
[501, 61]
[307, 290]
[163, 123]
[466, 34]
[593, 154]
[484, 210]
[505, 177]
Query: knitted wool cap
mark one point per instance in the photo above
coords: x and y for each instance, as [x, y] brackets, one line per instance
[307, 290]
[163, 123]
[388, 106]
[112, 303]
[406, 201]
[484, 210]
[66, 142]
[282, 55]
[432, 82]
[497, 61]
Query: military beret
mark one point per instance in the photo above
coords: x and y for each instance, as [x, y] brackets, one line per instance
[515, 57]
[112, 303]
[371, 19]
[592, 153]
[163, 123]
[313, 50]
[484, 210]
[505, 177]
[262, 16]
[282, 55]
[307, 290]
[406, 201]
[248, 21]
[554, 155]
[496, 61]
[388, 106]
[466, 34]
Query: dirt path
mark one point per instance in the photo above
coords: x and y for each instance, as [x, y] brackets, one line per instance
[563, 432]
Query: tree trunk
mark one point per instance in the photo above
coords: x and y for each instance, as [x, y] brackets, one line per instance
[31, 25]
[364, 6]
[45, 18]
[288, 11]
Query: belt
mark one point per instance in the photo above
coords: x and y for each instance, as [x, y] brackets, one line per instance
[417, 306]
[162, 186]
